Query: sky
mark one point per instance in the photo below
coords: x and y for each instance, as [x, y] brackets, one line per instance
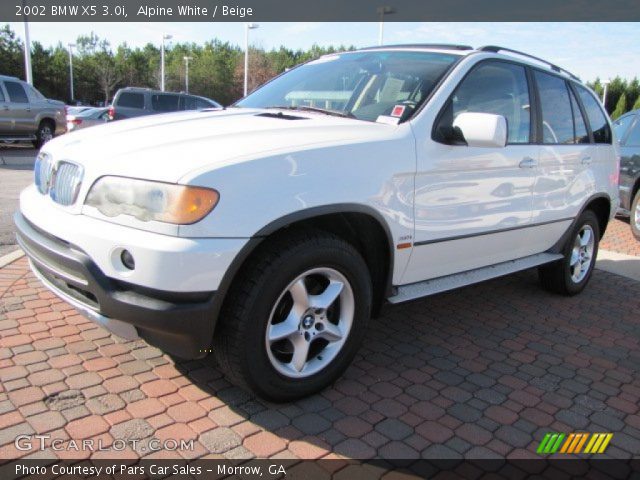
[589, 50]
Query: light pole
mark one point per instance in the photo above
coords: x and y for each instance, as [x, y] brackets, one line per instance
[382, 11]
[186, 77]
[248, 26]
[27, 53]
[605, 83]
[164, 37]
[71, 45]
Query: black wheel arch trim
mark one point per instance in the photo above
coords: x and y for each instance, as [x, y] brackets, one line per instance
[557, 247]
[286, 220]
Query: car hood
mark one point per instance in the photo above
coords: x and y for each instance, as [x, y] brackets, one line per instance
[168, 147]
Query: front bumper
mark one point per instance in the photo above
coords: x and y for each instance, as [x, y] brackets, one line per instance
[181, 323]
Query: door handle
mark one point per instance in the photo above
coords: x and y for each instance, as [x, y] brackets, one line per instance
[5, 107]
[586, 160]
[528, 162]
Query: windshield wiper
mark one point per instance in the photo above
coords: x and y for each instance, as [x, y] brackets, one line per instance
[304, 108]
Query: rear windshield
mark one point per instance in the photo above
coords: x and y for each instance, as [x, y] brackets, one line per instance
[131, 100]
[362, 85]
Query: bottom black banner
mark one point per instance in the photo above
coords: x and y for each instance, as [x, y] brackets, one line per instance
[347, 469]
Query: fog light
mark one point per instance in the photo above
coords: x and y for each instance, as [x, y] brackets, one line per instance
[127, 259]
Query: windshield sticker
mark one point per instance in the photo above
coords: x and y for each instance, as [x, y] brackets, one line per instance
[398, 111]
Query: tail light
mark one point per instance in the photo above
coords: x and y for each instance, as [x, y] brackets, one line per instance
[614, 177]
[112, 112]
[75, 121]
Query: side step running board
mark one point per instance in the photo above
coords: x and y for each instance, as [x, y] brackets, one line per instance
[457, 280]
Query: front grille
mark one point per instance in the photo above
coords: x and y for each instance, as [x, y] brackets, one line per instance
[43, 171]
[66, 183]
[60, 180]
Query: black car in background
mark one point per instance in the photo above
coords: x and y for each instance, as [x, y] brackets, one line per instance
[132, 102]
[627, 129]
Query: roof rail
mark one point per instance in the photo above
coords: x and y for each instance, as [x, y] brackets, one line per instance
[435, 46]
[554, 67]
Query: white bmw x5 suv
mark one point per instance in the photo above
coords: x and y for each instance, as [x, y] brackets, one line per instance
[271, 231]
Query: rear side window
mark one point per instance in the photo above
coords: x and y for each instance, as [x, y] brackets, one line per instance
[165, 103]
[597, 118]
[557, 114]
[633, 140]
[499, 88]
[16, 92]
[131, 100]
[579, 124]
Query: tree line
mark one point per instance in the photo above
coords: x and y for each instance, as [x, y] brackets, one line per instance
[215, 71]
[622, 95]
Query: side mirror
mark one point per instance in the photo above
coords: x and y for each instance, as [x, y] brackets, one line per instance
[482, 129]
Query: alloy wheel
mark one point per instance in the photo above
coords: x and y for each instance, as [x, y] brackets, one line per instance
[582, 254]
[46, 134]
[310, 322]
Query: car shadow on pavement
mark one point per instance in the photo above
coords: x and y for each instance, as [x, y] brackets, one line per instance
[481, 372]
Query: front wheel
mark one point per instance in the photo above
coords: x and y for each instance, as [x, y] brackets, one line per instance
[295, 317]
[634, 217]
[570, 275]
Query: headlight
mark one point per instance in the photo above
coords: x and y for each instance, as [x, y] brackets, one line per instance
[151, 201]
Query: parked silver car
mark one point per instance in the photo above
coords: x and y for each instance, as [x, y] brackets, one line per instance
[26, 115]
[87, 118]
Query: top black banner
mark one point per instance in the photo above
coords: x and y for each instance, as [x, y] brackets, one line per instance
[320, 10]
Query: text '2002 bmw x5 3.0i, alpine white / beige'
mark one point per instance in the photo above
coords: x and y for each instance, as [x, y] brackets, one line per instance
[271, 231]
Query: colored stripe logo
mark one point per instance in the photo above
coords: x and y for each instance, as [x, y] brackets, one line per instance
[574, 443]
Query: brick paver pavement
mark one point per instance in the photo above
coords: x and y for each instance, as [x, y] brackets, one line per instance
[619, 238]
[484, 371]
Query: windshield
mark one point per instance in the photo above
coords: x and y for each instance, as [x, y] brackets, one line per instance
[620, 126]
[362, 85]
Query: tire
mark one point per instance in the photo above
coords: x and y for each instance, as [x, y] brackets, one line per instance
[44, 133]
[634, 216]
[261, 303]
[570, 275]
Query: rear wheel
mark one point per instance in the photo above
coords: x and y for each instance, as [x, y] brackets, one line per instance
[44, 133]
[570, 275]
[634, 217]
[295, 317]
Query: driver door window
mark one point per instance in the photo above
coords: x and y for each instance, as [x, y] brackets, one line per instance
[499, 88]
